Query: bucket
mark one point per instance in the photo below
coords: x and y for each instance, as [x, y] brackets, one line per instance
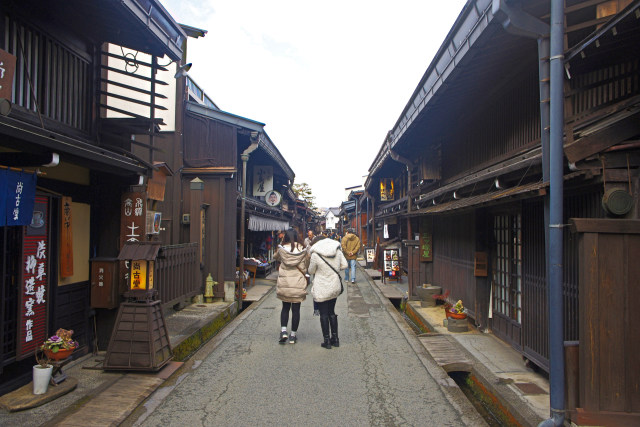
[41, 378]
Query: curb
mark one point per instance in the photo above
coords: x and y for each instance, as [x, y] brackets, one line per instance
[494, 385]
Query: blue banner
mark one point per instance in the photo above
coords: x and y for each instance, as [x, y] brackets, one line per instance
[20, 197]
[3, 198]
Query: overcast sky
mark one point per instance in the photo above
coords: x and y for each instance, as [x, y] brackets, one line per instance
[328, 79]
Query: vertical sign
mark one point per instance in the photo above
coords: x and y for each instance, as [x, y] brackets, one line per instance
[34, 282]
[262, 180]
[426, 244]
[66, 239]
[7, 68]
[133, 223]
[20, 193]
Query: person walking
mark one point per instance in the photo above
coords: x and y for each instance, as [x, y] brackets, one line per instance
[291, 284]
[351, 247]
[326, 262]
[309, 239]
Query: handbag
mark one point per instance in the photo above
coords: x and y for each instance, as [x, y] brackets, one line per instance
[335, 271]
[305, 276]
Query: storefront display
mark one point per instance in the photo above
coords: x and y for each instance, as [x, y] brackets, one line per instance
[391, 259]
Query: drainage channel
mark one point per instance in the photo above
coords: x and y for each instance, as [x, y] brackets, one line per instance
[487, 405]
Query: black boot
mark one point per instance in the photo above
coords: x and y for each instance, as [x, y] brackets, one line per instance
[333, 323]
[324, 324]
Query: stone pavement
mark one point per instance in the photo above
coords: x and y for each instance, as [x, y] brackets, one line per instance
[499, 367]
[85, 404]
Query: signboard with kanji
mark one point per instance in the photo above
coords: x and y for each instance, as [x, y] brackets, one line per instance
[426, 244]
[7, 68]
[34, 281]
[66, 239]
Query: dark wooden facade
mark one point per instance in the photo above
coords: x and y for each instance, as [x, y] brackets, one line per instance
[472, 129]
[58, 112]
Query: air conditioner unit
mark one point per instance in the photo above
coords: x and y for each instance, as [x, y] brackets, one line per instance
[153, 222]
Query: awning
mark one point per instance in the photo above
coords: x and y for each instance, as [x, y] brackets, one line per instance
[258, 223]
[476, 201]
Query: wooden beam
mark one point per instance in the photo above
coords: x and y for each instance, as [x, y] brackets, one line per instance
[603, 139]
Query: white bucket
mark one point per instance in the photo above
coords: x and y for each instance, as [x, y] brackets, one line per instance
[41, 378]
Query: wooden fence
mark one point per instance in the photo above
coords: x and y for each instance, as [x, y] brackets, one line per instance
[177, 276]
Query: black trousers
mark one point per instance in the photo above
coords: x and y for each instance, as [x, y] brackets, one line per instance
[327, 307]
[295, 315]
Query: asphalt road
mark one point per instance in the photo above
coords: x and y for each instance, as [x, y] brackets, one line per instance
[380, 375]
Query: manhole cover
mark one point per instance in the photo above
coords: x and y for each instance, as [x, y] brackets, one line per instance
[530, 388]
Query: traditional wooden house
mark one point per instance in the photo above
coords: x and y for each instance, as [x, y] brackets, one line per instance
[54, 124]
[465, 164]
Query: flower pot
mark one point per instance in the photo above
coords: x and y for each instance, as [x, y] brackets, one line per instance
[41, 378]
[455, 315]
[61, 354]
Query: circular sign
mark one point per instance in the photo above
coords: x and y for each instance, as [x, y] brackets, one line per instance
[272, 198]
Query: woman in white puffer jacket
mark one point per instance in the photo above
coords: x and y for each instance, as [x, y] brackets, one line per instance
[327, 260]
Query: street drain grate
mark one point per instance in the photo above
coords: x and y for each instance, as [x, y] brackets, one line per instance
[530, 388]
[200, 305]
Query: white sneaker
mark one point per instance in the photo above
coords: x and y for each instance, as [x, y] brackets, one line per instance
[353, 281]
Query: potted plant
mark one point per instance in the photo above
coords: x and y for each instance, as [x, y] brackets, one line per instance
[457, 311]
[60, 346]
[41, 373]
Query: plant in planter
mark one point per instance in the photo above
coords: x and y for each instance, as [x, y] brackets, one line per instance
[60, 346]
[457, 311]
[441, 299]
[41, 373]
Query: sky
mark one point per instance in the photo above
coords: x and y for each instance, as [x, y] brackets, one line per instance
[329, 79]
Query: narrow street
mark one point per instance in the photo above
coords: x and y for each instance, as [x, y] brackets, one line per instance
[376, 377]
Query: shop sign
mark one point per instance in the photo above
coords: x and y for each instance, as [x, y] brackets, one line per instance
[133, 226]
[16, 207]
[371, 254]
[32, 326]
[426, 242]
[7, 68]
[66, 239]
[386, 190]
[133, 218]
[262, 180]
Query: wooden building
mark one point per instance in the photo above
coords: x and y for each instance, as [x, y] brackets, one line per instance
[54, 123]
[464, 162]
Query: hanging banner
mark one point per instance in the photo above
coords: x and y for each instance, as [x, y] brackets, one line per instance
[34, 280]
[66, 239]
[20, 195]
[3, 200]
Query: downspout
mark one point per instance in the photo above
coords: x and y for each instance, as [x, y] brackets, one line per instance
[556, 184]
[517, 22]
[255, 139]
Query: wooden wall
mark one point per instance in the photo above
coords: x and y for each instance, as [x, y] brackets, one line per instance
[609, 367]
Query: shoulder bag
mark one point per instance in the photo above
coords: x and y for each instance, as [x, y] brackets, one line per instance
[331, 267]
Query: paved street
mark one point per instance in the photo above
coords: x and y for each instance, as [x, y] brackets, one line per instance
[379, 375]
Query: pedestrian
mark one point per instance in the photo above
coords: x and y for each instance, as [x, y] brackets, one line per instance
[291, 284]
[351, 248]
[308, 239]
[326, 262]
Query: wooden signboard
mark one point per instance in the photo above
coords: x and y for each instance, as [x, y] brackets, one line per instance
[7, 68]
[480, 268]
[426, 243]
[34, 293]
[66, 239]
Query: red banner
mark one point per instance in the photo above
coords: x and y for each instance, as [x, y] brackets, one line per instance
[7, 68]
[34, 280]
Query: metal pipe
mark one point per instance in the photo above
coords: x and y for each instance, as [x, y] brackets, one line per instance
[245, 158]
[556, 178]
